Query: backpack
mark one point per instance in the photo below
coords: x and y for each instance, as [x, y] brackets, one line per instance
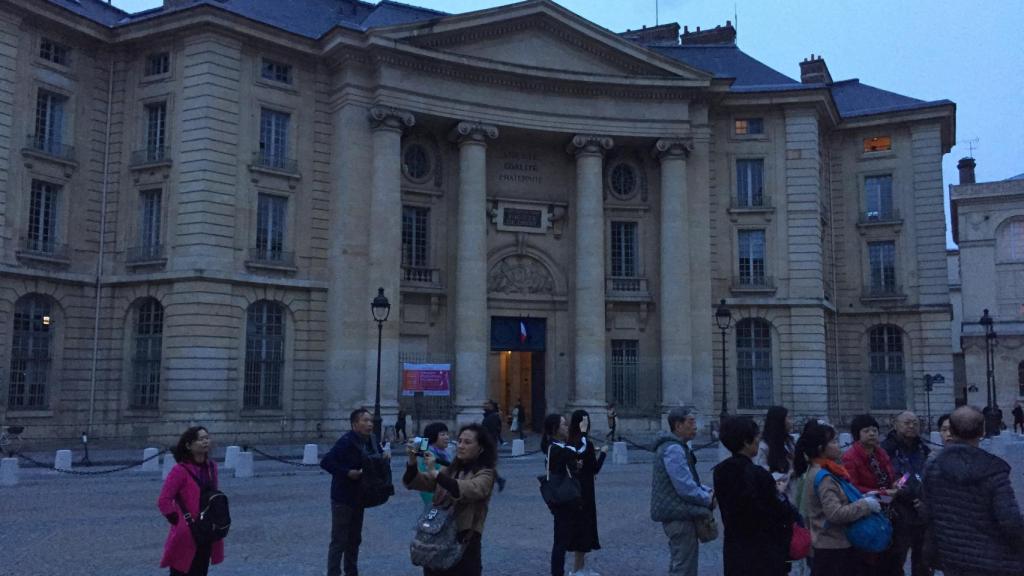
[214, 517]
[871, 533]
[436, 543]
[375, 485]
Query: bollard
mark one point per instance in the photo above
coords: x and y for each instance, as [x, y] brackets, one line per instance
[845, 439]
[150, 465]
[62, 461]
[518, 447]
[231, 456]
[310, 454]
[243, 467]
[620, 453]
[935, 438]
[8, 472]
[168, 464]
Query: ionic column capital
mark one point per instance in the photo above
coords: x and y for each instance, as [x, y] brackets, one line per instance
[588, 144]
[469, 132]
[673, 148]
[388, 118]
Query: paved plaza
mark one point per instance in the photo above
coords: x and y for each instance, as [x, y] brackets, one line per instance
[108, 525]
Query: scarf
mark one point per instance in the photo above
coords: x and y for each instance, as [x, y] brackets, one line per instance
[833, 468]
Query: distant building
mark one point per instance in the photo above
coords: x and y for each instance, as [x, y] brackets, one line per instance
[199, 201]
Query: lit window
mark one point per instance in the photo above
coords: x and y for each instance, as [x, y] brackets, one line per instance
[877, 144]
[276, 71]
[746, 126]
[158, 63]
[54, 52]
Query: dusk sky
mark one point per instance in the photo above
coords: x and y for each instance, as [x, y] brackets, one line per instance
[967, 52]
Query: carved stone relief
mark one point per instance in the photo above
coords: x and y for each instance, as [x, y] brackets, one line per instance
[520, 275]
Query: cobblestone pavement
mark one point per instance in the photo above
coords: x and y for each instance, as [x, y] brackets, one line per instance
[108, 525]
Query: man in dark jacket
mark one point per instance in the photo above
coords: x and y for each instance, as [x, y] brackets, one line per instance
[492, 421]
[345, 464]
[908, 454]
[976, 523]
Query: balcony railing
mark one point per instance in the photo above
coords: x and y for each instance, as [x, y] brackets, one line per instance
[145, 253]
[48, 249]
[890, 292]
[273, 162]
[890, 216]
[155, 155]
[762, 203]
[753, 283]
[50, 146]
[263, 256]
[421, 275]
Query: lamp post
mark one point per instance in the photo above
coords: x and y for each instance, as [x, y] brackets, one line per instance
[723, 317]
[381, 309]
[992, 419]
[930, 380]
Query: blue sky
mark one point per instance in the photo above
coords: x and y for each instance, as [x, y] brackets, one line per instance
[969, 52]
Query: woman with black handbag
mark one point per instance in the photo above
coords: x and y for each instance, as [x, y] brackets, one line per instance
[563, 464]
[584, 537]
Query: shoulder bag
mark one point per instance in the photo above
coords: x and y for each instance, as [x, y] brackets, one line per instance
[872, 533]
[436, 544]
[560, 489]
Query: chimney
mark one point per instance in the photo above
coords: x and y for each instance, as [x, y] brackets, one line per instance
[966, 168]
[664, 35]
[719, 35]
[814, 71]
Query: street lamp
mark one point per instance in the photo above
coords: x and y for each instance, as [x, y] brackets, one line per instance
[930, 380]
[723, 317]
[992, 419]
[381, 309]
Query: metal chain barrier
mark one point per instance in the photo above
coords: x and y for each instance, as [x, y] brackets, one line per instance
[290, 461]
[39, 464]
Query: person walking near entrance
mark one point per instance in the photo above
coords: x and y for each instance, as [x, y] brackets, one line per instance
[584, 534]
[678, 499]
[519, 419]
[1018, 418]
[613, 423]
[492, 421]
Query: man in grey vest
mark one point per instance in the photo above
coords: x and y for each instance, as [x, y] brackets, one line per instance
[678, 499]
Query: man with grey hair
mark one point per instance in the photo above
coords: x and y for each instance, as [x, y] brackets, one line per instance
[976, 523]
[908, 454]
[678, 499]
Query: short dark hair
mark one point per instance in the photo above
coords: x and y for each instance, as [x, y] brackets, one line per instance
[354, 416]
[433, 430]
[677, 415]
[811, 445]
[181, 451]
[860, 422]
[967, 423]
[737, 432]
[942, 419]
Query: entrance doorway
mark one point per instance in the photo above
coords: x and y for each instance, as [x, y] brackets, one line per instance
[517, 367]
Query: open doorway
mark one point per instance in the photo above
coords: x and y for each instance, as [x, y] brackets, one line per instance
[517, 367]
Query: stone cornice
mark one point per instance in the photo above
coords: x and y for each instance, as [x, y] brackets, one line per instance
[673, 148]
[387, 118]
[589, 144]
[473, 132]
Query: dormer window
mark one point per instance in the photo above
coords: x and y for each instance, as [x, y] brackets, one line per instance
[54, 52]
[749, 126]
[276, 71]
[878, 144]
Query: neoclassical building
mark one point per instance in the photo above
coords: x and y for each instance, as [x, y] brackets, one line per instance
[198, 203]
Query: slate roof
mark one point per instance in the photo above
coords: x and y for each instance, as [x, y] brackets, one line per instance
[728, 61]
[853, 99]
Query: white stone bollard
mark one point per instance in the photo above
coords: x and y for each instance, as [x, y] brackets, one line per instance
[310, 454]
[243, 467]
[935, 438]
[150, 465]
[168, 465]
[620, 453]
[62, 461]
[518, 447]
[231, 456]
[8, 472]
[845, 439]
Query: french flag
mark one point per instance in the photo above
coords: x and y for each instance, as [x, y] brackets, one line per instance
[522, 332]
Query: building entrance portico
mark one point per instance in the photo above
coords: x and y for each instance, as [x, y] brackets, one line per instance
[516, 367]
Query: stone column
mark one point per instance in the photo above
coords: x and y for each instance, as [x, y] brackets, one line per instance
[385, 249]
[674, 294]
[590, 278]
[471, 319]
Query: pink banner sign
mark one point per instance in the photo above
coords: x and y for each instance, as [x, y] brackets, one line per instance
[428, 379]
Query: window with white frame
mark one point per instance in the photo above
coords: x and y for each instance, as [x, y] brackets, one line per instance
[150, 202]
[276, 71]
[415, 236]
[624, 250]
[54, 51]
[751, 257]
[754, 363]
[49, 134]
[264, 355]
[156, 131]
[878, 198]
[274, 138]
[157, 63]
[882, 263]
[270, 227]
[886, 368]
[625, 369]
[146, 359]
[41, 235]
[750, 183]
[30, 353]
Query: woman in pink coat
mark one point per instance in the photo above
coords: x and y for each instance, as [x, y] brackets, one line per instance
[180, 494]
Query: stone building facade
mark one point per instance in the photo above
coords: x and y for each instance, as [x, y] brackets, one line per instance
[211, 193]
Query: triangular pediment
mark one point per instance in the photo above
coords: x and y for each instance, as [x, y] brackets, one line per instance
[539, 35]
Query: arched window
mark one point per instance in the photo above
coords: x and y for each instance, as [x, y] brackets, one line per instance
[1010, 239]
[148, 343]
[754, 363]
[30, 354]
[264, 355]
[886, 366]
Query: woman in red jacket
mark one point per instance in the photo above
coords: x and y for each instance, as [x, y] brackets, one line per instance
[866, 460]
[180, 494]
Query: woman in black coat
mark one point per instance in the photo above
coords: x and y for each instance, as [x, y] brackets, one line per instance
[561, 458]
[584, 534]
[758, 523]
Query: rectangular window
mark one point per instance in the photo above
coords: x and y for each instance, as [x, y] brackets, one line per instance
[882, 262]
[886, 368]
[274, 138]
[276, 71]
[415, 239]
[149, 328]
[30, 353]
[149, 223]
[749, 183]
[625, 364]
[49, 135]
[878, 197]
[746, 126]
[264, 356]
[624, 250]
[877, 144]
[42, 218]
[270, 227]
[158, 63]
[54, 52]
[156, 131]
[754, 363]
[751, 257]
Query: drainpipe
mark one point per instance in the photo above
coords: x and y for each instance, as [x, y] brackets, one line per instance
[99, 259]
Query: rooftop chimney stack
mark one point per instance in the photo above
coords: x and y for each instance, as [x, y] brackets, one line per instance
[719, 35]
[813, 70]
[966, 168]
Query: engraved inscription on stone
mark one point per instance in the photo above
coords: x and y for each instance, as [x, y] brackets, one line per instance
[522, 218]
[519, 167]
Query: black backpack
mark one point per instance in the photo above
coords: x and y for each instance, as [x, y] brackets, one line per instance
[214, 517]
[375, 485]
